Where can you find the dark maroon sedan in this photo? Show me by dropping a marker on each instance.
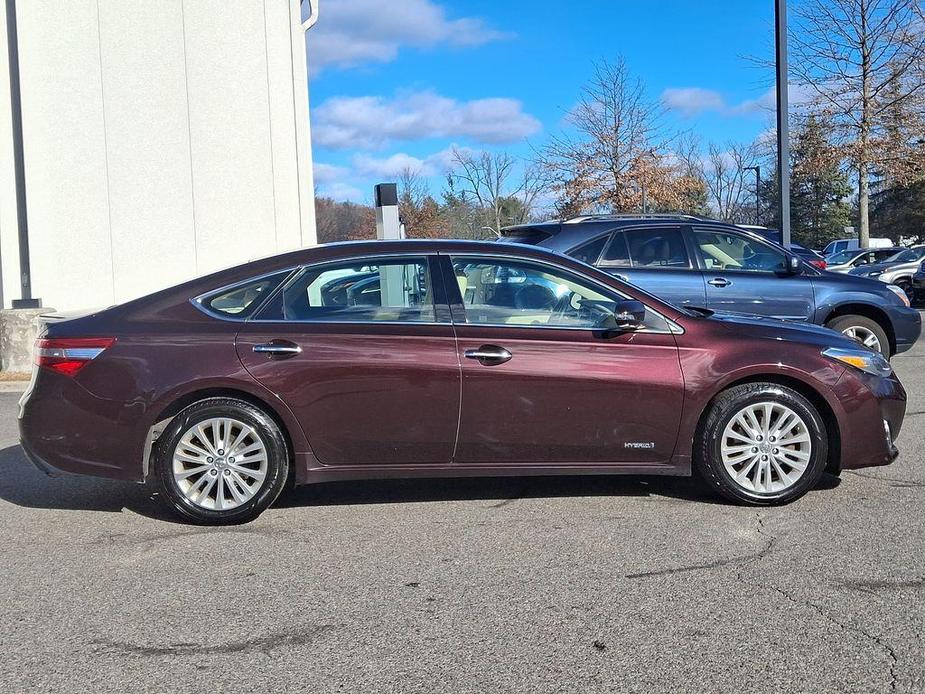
(440, 359)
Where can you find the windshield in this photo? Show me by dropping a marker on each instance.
(909, 256)
(842, 258)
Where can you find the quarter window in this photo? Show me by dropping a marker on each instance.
(242, 300)
(591, 251)
(376, 290)
(727, 251)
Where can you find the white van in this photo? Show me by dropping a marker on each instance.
(852, 245)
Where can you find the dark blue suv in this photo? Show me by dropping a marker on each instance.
(707, 264)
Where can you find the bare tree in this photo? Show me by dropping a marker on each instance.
(617, 135)
(497, 184)
(725, 175)
(861, 60)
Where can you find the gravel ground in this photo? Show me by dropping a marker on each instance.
(544, 585)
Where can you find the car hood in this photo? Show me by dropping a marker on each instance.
(879, 268)
(781, 330)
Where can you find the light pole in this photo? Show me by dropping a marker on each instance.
(783, 121)
(757, 170)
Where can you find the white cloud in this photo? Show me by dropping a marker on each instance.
(372, 122)
(435, 164)
(353, 32)
(341, 192)
(328, 173)
(691, 101)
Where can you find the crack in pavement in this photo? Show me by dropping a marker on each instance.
(874, 586)
(896, 482)
(263, 644)
(886, 647)
(719, 563)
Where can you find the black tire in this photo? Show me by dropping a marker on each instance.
(269, 434)
(843, 323)
(708, 463)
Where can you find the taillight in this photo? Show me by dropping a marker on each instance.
(69, 355)
(821, 264)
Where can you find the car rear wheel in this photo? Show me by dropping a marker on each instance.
(864, 330)
(222, 461)
(762, 444)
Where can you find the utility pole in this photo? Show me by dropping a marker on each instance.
(783, 121)
(757, 170)
(26, 299)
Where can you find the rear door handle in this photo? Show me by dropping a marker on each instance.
(489, 355)
(278, 348)
(720, 282)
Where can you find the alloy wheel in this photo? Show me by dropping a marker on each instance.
(766, 448)
(863, 335)
(220, 464)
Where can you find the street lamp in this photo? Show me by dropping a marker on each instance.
(757, 170)
(783, 121)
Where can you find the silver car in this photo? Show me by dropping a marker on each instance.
(846, 261)
(897, 269)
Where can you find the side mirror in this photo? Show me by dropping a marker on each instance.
(627, 315)
(794, 265)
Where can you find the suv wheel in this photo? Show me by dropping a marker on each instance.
(761, 444)
(866, 331)
(221, 461)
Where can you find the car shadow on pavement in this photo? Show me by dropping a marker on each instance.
(23, 485)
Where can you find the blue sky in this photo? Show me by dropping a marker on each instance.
(399, 83)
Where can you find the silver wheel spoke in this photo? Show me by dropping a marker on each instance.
(220, 464)
(766, 447)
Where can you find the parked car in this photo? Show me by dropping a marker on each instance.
(817, 260)
(897, 269)
(853, 245)
(918, 283)
(694, 262)
(476, 359)
(846, 261)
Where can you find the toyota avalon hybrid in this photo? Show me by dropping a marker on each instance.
(444, 359)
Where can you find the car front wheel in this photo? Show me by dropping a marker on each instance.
(864, 330)
(221, 461)
(762, 444)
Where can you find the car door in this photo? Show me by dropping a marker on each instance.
(657, 259)
(542, 383)
(745, 275)
(363, 353)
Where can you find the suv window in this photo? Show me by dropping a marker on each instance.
(728, 251)
(591, 251)
(650, 248)
(393, 289)
(521, 293)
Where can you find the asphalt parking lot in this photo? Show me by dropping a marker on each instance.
(545, 585)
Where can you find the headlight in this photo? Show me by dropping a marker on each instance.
(900, 293)
(870, 362)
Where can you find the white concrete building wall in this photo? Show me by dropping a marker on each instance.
(163, 140)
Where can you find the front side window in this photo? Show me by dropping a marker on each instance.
(521, 293)
(376, 290)
(240, 302)
(723, 251)
(653, 248)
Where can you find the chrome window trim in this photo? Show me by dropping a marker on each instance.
(197, 301)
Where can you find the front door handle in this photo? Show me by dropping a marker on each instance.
(720, 282)
(278, 348)
(489, 355)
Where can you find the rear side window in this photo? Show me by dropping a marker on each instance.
(591, 251)
(657, 248)
(382, 290)
(242, 300)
